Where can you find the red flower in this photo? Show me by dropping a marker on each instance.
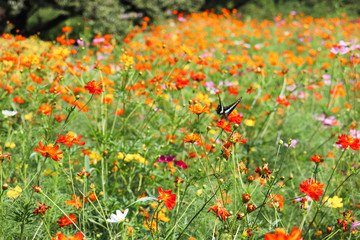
(70, 139)
(317, 159)
(168, 198)
(220, 211)
(49, 151)
(264, 172)
(60, 236)
(348, 141)
(41, 210)
(224, 125)
(18, 100)
(282, 101)
(225, 152)
(94, 87)
(45, 109)
(181, 164)
(36, 188)
(4, 156)
(280, 234)
(64, 221)
(312, 188)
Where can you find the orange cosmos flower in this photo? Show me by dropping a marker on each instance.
(60, 236)
(317, 159)
(119, 111)
(220, 211)
(199, 109)
(64, 221)
(66, 29)
(92, 197)
(70, 139)
(49, 151)
(277, 201)
(191, 138)
(224, 125)
(282, 101)
(348, 141)
(45, 109)
(312, 188)
(168, 198)
(94, 87)
(75, 202)
(18, 99)
(280, 234)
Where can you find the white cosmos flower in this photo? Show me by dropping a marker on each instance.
(118, 217)
(8, 113)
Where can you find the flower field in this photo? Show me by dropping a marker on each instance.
(208, 126)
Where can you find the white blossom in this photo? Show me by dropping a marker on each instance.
(118, 217)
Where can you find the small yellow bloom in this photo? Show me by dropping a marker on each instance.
(127, 60)
(94, 157)
(334, 202)
(249, 122)
(10, 145)
(28, 116)
(121, 155)
(129, 157)
(14, 192)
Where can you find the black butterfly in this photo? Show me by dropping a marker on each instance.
(225, 111)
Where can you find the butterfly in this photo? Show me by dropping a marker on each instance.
(225, 111)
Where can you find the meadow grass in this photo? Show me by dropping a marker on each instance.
(123, 140)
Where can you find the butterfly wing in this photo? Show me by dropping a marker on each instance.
(220, 107)
(230, 108)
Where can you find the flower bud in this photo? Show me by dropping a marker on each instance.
(251, 179)
(5, 186)
(246, 197)
(250, 207)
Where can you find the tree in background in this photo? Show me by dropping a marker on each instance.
(117, 17)
(30, 17)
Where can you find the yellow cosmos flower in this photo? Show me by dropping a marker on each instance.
(249, 122)
(127, 60)
(28, 116)
(334, 202)
(10, 145)
(94, 157)
(136, 157)
(121, 155)
(14, 193)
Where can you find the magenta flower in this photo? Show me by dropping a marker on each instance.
(181, 164)
(166, 159)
